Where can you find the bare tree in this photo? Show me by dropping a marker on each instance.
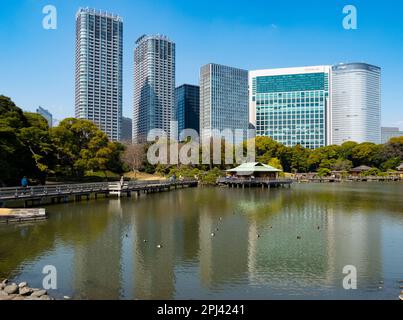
(134, 156)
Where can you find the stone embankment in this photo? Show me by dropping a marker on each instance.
(12, 291)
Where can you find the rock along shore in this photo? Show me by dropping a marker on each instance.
(12, 291)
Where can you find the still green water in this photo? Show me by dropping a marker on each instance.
(278, 244)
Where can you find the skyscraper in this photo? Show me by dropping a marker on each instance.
(187, 107)
(127, 129)
(291, 105)
(99, 62)
(46, 114)
(154, 85)
(389, 133)
(356, 103)
(223, 99)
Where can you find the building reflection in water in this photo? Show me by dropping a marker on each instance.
(282, 241)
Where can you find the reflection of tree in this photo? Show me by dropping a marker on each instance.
(74, 224)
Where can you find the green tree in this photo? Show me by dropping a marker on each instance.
(275, 163)
(366, 154)
(81, 146)
(25, 148)
(342, 165)
(324, 172)
(36, 139)
(299, 160)
(346, 150)
(323, 157)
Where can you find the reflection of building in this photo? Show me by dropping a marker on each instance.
(46, 114)
(223, 100)
(389, 133)
(187, 107)
(291, 105)
(223, 257)
(311, 240)
(356, 103)
(99, 63)
(175, 229)
(98, 256)
(154, 85)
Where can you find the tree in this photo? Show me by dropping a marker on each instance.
(25, 147)
(346, 150)
(80, 146)
(299, 160)
(323, 157)
(324, 172)
(134, 156)
(275, 163)
(366, 154)
(393, 149)
(342, 165)
(36, 139)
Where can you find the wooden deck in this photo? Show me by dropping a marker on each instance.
(21, 215)
(254, 183)
(67, 192)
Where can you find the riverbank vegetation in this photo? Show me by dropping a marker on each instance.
(76, 150)
(28, 147)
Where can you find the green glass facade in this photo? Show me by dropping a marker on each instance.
(292, 108)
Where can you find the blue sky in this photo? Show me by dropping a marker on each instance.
(37, 65)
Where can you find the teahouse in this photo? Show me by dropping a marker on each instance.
(359, 170)
(252, 170)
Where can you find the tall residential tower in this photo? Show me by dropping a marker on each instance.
(99, 63)
(223, 100)
(154, 85)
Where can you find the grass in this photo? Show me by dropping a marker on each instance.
(143, 176)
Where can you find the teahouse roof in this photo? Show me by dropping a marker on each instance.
(400, 168)
(361, 168)
(254, 167)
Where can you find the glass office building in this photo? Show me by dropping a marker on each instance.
(356, 103)
(154, 85)
(187, 107)
(291, 105)
(223, 99)
(389, 133)
(46, 114)
(99, 63)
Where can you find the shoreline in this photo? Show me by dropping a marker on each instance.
(12, 291)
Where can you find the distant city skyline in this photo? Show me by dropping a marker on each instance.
(231, 35)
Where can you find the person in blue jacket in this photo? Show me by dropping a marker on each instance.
(24, 182)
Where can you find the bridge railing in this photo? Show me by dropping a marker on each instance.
(66, 189)
(23, 192)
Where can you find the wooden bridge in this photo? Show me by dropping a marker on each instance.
(254, 182)
(63, 193)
